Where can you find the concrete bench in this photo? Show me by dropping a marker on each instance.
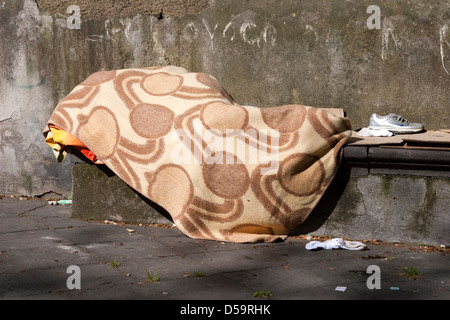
(388, 194)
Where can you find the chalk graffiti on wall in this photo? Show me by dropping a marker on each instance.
(252, 30)
(243, 27)
(248, 31)
(443, 45)
(388, 32)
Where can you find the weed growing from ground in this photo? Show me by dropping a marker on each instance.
(262, 294)
(412, 273)
(114, 263)
(150, 278)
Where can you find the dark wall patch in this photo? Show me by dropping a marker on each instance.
(110, 8)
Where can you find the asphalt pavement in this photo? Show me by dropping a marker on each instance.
(46, 255)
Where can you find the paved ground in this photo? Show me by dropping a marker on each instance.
(38, 243)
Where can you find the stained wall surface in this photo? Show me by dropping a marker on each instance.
(363, 56)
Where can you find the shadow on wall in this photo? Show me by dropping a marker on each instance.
(156, 207)
(326, 205)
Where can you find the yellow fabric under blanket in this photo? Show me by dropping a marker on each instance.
(59, 140)
(222, 170)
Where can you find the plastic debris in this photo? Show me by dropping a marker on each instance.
(366, 132)
(335, 243)
(341, 289)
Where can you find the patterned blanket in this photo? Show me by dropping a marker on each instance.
(222, 170)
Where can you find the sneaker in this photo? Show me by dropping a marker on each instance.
(394, 123)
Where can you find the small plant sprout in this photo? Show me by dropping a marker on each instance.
(262, 294)
(114, 263)
(152, 278)
(199, 274)
(412, 273)
(196, 274)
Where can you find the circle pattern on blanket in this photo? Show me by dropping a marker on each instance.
(301, 174)
(222, 116)
(172, 188)
(161, 84)
(151, 121)
(96, 137)
(286, 119)
(225, 179)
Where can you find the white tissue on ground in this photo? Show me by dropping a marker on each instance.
(335, 243)
(366, 132)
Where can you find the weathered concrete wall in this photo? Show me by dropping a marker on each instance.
(265, 53)
(98, 194)
(390, 208)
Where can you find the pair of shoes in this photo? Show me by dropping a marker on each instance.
(394, 123)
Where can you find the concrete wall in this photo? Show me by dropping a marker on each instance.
(265, 53)
(391, 208)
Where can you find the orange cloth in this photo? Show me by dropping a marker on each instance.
(60, 139)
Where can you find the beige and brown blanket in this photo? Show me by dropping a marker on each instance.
(222, 170)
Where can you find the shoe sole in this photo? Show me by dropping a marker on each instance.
(397, 130)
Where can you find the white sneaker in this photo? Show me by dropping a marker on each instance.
(394, 123)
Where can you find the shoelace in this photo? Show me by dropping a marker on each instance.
(400, 119)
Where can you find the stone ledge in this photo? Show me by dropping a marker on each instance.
(364, 160)
(393, 208)
(377, 194)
